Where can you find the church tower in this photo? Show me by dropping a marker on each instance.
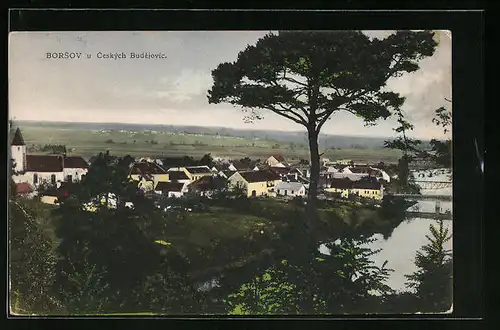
(18, 152)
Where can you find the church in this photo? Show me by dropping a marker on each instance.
(44, 169)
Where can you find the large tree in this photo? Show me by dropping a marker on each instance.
(306, 77)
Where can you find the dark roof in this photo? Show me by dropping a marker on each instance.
(207, 183)
(198, 170)
(147, 168)
(23, 188)
(340, 166)
(169, 186)
(280, 170)
(259, 176)
(75, 162)
(340, 183)
(240, 166)
(18, 138)
(44, 163)
(177, 175)
(364, 169)
(367, 184)
(360, 169)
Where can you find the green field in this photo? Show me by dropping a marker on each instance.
(86, 143)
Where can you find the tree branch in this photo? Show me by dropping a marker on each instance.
(294, 81)
(300, 120)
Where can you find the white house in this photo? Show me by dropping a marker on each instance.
(290, 189)
(44, 169)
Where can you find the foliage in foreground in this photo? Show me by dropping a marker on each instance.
(32, 262)
(432, 281)
(114, 260)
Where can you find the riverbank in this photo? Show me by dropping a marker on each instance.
(408, 237)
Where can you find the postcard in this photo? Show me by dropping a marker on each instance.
(254, 173)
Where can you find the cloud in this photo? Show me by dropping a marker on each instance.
(184, 87)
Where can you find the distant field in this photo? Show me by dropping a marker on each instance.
(86, 142)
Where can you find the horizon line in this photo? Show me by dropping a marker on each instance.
(199, 126)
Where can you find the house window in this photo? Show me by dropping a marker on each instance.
(69, 178)
(35, 178)
(53, 179)
(18, 148)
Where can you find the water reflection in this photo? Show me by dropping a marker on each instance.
(401, 247)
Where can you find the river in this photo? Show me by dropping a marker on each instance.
(400, 248)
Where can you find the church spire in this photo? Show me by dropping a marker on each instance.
(18, 138)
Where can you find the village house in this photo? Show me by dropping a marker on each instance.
(197, 172)
(194, 172)
(40, 170)
(276, 161)
(355, 173)
(255, 183)
(291, 189)
(339, 186)
(24, 189)
(171, 189)
(239, 166)
(367, 188)
(148, 175)
(207, 185)
(178, 176)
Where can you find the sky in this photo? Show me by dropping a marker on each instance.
(172, 90)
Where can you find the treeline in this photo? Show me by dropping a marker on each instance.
(205, 160)
(50, 148)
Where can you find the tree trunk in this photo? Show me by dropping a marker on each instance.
(311, 211)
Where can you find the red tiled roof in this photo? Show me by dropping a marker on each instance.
(18, 138)
(44, 163)
(147, 168)
(169, 186)
(259, 176)
(23, 188)
(75, 162)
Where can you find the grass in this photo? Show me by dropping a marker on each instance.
(87, 143)
(206, 227)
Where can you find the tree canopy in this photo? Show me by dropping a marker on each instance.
(308, 76)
